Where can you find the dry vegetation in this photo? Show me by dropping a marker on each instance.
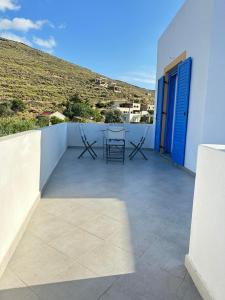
(45, 82)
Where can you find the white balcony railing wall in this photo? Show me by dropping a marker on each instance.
(206, 259)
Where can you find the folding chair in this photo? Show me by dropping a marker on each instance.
(115, 144)
(87, 145)
(138, 146)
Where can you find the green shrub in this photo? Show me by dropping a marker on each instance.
(5, 109)
(75, 98)
(54, 120)
(101, 105)
(113, 116)
(97, 115)
(18, 106)
(43, 121)
(83, 110)
(14, 125)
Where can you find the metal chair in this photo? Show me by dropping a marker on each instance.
(138, 146)
(115, 144)
(87, 145)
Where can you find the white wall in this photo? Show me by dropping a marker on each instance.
(214, 125)
(53, 145)
(94, 132)
(26, 161)
(207, 243)
(19, 184)
(190, 31)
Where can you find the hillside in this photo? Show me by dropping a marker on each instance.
(45, 82)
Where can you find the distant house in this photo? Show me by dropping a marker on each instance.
(113, 86)
(101, 81)
(49, 114)
(131, 112)
(58, 115)
(147, 109)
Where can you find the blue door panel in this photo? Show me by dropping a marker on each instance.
(170, 111)
(181, 113)
(158, 124)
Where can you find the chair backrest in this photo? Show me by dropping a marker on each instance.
(82, 134)
(146, 131)
(115, 133)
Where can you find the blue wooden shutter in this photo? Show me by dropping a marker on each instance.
(181, 113)
(158, 124)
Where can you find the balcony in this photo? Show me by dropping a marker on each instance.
(99, 231)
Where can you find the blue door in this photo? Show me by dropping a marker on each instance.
(172, 80)
(158, 124)
(181, 112)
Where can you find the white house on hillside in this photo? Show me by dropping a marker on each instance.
(191, 75)
(131, 113)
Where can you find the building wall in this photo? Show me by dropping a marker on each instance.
(206, 258)
(214, 123)
(190, 31)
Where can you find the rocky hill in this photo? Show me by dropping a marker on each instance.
(46, 82)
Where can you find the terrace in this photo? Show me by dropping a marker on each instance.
(100, 231)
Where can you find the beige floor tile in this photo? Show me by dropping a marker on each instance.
(102, 226)
(50, 228)
(10, 281)
(95, 204)
(40, 266)
(76, 242)
(59, 206)
(78, 216)
(29, 242)
(39, 216)
(107, 260)
(75, 272)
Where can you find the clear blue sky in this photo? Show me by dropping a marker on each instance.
(117, 38)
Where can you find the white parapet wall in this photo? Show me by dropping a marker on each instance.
(94, 132)
(206, 259)
(53, 145)
(26, 161)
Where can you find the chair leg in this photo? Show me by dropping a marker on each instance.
(136, 150)
(82, 153)
(89, 149)
(142, 153)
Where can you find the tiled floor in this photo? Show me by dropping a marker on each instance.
(106, 231)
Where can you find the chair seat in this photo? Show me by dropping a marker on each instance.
(115, 142)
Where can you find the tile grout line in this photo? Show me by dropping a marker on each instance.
(107, 289)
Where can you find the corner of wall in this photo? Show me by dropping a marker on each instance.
(196, 277)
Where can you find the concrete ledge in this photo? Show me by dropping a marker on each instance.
(18, 237)
(197, 279)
